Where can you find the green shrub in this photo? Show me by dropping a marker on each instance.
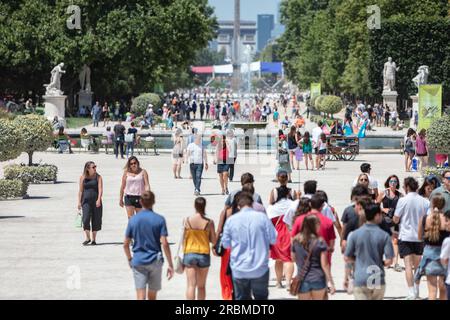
(330, 105)
(11, 142)
(318, 101)
(140, 104)
(31, 174)
(438, 135)
(37, 133)
(11, 189)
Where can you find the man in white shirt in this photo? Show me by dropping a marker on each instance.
(316, 132)
(197, 159)
(409, 212)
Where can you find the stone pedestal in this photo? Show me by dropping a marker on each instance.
(390, 99)
(84, 99)
(415, 100)
(55, 106)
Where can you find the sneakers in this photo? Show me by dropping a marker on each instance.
(410, 297)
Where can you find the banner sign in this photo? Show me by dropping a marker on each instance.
(316, 90)
(430, 104)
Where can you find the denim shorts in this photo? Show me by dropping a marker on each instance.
(197, 260)
(308, 286)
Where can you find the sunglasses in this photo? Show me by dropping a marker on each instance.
(94, 167)
(133, 163)
(393, 181)
(448, 178)
(363, 180)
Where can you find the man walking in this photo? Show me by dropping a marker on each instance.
(409, 212)
(365, 248)
(197, 160)
(95, 113)
(148, 230)
(119, 138)
(249, 234)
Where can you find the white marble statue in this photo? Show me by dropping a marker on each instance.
(54, 88)
(422, 76)
(390, 69)
(85, 79)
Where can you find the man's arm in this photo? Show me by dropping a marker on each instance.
(126, 248)
(168, 254)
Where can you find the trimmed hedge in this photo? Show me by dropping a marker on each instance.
(11, 142)
(330, 104)
(140, 103)
(31, 174)
(433, 171)
(438, 135)
(12, 189)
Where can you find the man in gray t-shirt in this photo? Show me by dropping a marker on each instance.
(366, 247)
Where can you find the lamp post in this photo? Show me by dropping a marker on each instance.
(236, 43)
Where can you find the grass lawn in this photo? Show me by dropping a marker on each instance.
(73, 123)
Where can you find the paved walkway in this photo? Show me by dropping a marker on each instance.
(41, 249)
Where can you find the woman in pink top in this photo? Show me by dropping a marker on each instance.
(421, 148)
(134, 183)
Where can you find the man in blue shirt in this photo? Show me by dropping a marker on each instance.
(366, 247)
(249, 234)
(148, 230)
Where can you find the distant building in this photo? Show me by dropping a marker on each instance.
(224, 40)
(266, 23)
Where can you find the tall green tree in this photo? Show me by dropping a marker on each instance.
(130, 45)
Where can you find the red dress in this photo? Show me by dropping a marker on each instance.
(281, 250)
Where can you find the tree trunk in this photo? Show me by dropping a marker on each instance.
(30, 159)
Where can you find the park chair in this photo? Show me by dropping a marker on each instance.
(85, 143)
(106, 143)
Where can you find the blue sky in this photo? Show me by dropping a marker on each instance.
(249, 8)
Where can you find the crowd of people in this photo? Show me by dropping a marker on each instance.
(298, 230)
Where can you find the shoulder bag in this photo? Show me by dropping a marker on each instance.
(218, 246)
(298, 280)
(178, 262)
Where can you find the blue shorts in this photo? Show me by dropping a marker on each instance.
(223, 167)
(197, 260)
(308, 286)
(323, 151)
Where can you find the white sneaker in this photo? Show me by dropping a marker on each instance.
(416, 291)
(410, 297)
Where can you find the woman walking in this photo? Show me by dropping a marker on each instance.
(322, 146)
(292, 146)
(307, 150)
(221, 159)
(284, 163)
(410, 148)
(280, 202)
(422, 149)
(90, 202)
(433, 231)
(178, 153)
(134, 182)
(105, 114)
(131, 139)
(317, 269)
(389, 199)
(198, 235)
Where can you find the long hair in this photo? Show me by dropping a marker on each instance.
(304, 206)
(306, 137)
(438, 204)
(308, 231)
(87, 165)
(127, 166)
(292, 131)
